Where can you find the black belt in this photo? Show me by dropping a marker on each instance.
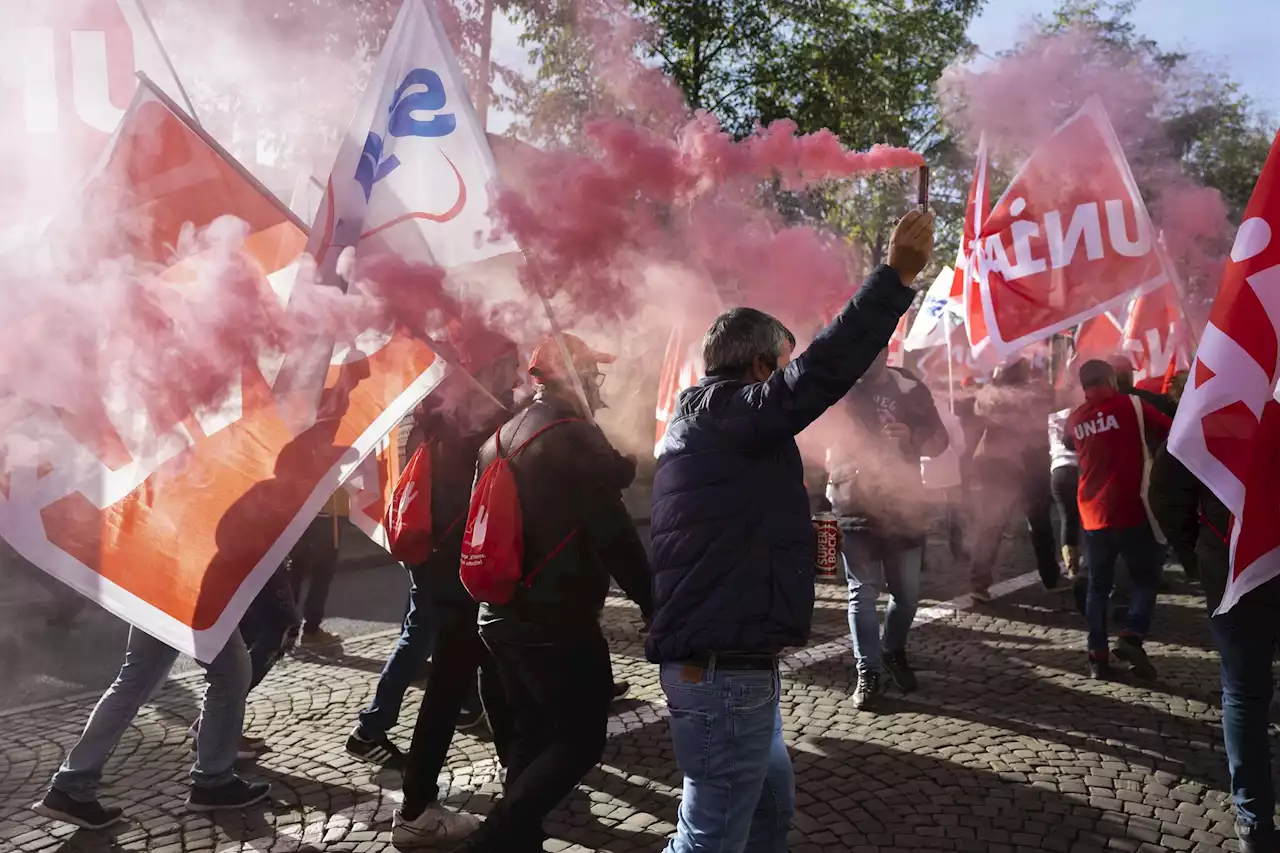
(722, 660)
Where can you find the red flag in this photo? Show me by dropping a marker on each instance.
(1154, 334)
(1228, 426)
(681, 368)
(896, 341)
(1069, 239)
(964, 286)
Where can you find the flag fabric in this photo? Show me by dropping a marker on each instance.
(928, 329)
(896, 342)
(66, 78)
(682, 367)
(1227, 431)
(174, 527)
(1155, 334)
(964, 286)
(1069, 239)
(411, 179)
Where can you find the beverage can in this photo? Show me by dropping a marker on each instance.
(828, 531)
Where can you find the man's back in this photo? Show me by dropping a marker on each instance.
(1108, 444)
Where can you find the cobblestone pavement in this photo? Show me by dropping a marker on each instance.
(1006, 747)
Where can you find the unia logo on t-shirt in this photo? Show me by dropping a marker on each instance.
(1101, 423)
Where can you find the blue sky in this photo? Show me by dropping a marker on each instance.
(1239, 37)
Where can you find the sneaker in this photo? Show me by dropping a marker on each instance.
(436, 823)
(256, 745)
(867, 691)
(379, 751)
(236, 794)
(1255, 839)
(1129, 650)
(981, 595)
(1100, 669)
(319, 638)
(87, 815)
(620, 689)
(895, 663)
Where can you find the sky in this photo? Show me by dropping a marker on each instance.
(1236, 36)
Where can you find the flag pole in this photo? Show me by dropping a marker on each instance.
(164, 54)
(951, 370)
(486, 52)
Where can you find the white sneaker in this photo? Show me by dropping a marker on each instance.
(436, 823)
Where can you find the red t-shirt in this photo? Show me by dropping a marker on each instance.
(1109, 446)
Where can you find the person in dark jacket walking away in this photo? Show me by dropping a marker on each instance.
(734, 547)
(1107, 434)
(877, 493)
(551, 654)
(453, 425)
(1196, 524)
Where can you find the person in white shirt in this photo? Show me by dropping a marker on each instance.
(1064, 472)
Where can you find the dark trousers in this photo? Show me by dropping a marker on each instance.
(1144, 557)
(314, 560)
(1247, 636)
(417, 636)
(459, 652)
(1004, 491)
(1065, 485)
(559, 695)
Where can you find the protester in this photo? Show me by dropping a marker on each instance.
(1108, 433)
(1064, 476)
(1196, 524)
(73, 792)
(1010, 475)
(734, 548)
(878, 495)
(451, 434)
(551, 654)
(1152, 394)
(314, 561)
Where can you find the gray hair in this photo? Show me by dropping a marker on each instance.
(738, 336)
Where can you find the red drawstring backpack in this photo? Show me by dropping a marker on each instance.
(408, 518)
(493, 545)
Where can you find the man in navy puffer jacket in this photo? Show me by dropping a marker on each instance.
(734, 547)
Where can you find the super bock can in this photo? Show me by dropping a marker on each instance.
(828, 544)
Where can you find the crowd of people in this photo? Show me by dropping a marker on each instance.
(728, 582)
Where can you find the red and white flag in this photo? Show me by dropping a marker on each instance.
(66, 78)
(897, 340)
(1069, 239)
(174, 524)
(1227, 431)
(964, 288)
(682, 367)
(1155, 334)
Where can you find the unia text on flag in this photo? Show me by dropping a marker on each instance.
(170, 516)
(1155, 334)
(66, 79)
(682, 366)
(1069, 239)
(1227, 431)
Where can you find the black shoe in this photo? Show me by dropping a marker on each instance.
(895, 663)
(1254, 839)
(236, 794)
(88, 815)
(867, 693)
(471, 718)
(379, 751)
(1100, 669)
(620, 689)
(1129, 650)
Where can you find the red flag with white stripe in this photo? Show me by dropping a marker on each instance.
(1227, 431)
(681, 368)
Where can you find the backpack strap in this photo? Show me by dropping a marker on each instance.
(497, 437)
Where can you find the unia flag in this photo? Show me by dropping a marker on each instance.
(1227, 431)
(964, 288)
(411, 179)
(1155, 334)
(1069, 239)
(928, 329)
(896, 342)
(175, 525)
(66, 79)
(682, 367)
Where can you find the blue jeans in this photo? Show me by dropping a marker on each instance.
(872, 564)
(1247, 636)
(268, 623)
(147, 662)
(739, 790)
(1144, 557)
(417, 639)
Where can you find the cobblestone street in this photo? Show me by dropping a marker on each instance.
(1006, 747)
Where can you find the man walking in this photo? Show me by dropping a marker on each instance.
(877, 492)
(551, 654)
(734, 548)
(1108, 434)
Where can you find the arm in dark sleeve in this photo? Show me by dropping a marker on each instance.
(626, 560)
(794, 397)
(929, 434)
(1157, 423)
(1175, 502)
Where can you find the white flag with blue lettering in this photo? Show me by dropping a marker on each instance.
(928, 331)
(414, 171)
